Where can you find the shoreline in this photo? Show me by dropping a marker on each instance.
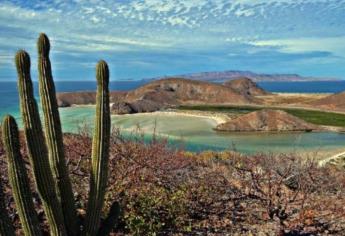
(216, 118)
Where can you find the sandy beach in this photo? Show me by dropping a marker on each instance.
(217, 118)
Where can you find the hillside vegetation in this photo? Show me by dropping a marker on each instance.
(172, 192)
(311, 116)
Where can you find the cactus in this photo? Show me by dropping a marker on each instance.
(54, 138)
(6, 228)
(46, 155)
(18, 178)
(36, 146)
(100, 151)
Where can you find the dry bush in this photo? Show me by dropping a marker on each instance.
(166, 191)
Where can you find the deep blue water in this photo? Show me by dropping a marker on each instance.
(304, 87)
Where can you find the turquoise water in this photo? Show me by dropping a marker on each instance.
(197, 134)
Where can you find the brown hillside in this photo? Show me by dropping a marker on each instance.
(266, 120)
(245, 86)
(176, 91)
(332, 102)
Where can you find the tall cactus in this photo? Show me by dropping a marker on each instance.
(54, 138)
(36, 146)
(48, 165)
(18, 178)
(6, 228)
(100, 151)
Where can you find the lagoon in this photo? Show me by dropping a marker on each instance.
(197, 134)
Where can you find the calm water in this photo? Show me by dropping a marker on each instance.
(194, 133)
(197, 134)
(304, 87)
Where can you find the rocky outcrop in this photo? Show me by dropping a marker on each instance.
(245, 86)
(267, 120)
(139, 106)
(85, 98)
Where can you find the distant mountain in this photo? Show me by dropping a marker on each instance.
(233, 74)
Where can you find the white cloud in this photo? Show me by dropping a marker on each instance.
(335, 45)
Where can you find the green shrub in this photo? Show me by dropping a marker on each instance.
(155, 210)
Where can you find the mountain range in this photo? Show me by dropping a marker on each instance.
(223, 76)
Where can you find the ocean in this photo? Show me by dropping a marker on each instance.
(196, 134)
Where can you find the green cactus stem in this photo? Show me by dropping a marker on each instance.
(36, 146)
(18, 178)
(54, 137)
(100, 151)
(6, 228)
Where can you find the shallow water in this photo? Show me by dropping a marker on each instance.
(197, 134)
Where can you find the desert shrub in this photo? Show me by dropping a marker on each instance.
(154, 210)
(170, 192)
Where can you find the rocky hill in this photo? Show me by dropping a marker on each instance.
(266, 120)
(332, 102)
(245, 86)
(172, 92)
(177, 90)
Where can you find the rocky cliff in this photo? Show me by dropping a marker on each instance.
(266, 120)
(85, 98)
(245, 86)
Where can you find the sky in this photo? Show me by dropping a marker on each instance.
(152, 38)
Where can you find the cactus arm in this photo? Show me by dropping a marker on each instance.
(100, 151)
(18, 178)
(36, 146)
(54, 138)
(6, 228)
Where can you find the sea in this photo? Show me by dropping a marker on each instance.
(192, 133)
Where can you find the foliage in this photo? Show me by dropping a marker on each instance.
(312, 116)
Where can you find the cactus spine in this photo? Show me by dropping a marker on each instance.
(36, 146)
(100, 151)
(6, 228)
(18, 178)
(54, 138)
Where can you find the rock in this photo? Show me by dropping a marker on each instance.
(75, 98)
(121, 108)
(140, 106)
(245, 86)
(85, 98)
(267, 120)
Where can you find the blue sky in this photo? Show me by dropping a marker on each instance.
(149, 38)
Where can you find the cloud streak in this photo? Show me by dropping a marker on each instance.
(146, 38)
